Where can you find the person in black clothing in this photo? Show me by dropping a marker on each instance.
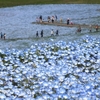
(42, 33)
(40, 18)
(56, 17)
(37, 35)
(4, 36)
(68, 21)
(57, 32)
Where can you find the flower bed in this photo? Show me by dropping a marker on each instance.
(47, 71)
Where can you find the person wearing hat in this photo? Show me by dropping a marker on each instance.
(68, 21)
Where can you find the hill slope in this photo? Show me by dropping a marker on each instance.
(7, 3)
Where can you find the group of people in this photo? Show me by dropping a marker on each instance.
(52, 19)
(52, 33)
(55, 18)
(96, 28)
(49, 18)
(41, 33)
(90, 28)
(39, 19)
(3, 36)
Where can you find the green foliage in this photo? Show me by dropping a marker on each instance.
(7, 3)
(2, 55)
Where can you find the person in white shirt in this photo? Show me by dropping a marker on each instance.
(52, 32)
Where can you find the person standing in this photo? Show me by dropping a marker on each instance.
(90, 28)
(79, 29)
(68, 21)
(48, 18)
(52, 19)
(37, 35)
(52, 32)
(56, 17)
(97, 27)
(40, 18)
(42, 33)
(4, 36)
(37, 19)
(57, 32)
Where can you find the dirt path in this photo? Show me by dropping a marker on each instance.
(65, 25)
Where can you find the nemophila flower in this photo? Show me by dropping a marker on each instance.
(51, 71)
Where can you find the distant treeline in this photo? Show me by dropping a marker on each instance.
(8, 3)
